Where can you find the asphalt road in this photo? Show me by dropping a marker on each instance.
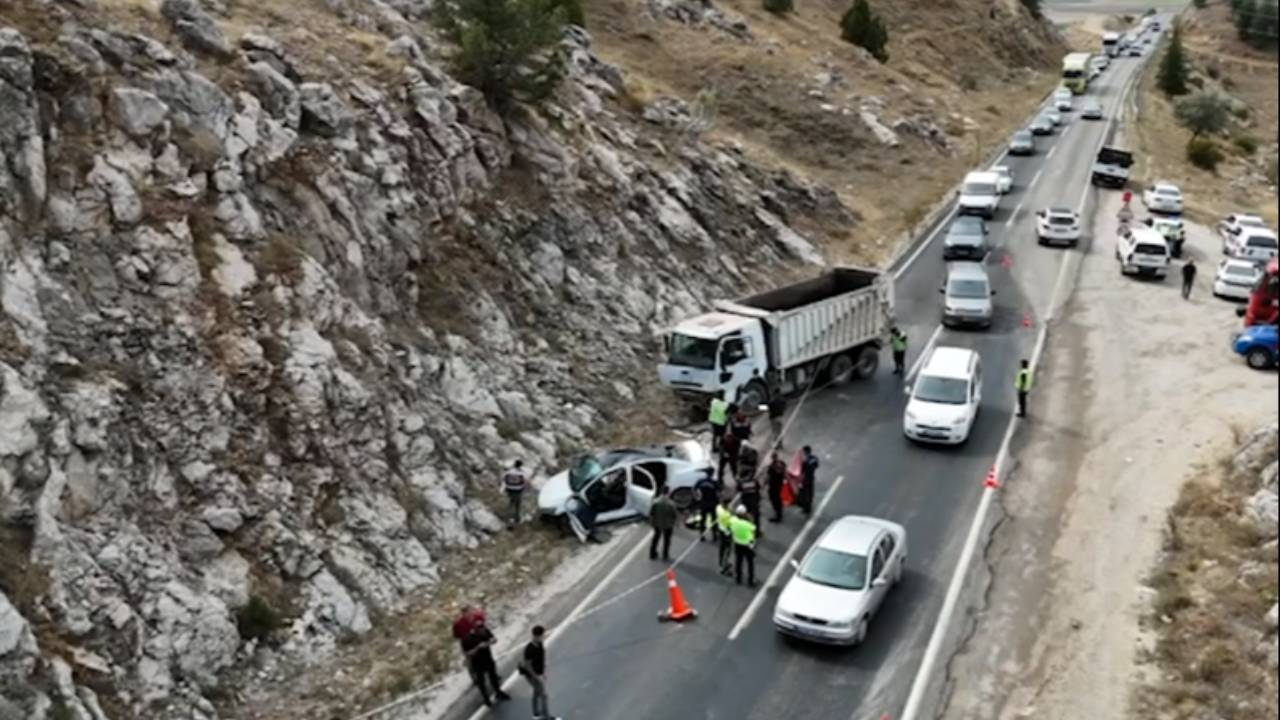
(619, 663)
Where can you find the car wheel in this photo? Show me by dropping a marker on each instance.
(860, 636)
(753, 396)
(682, 497)
(1259, 358)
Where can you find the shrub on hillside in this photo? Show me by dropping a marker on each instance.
(1203, 113)
(257, 620)
(1246, 144)
(862, 27)
(779, 7)
(1033, 6)
(507, 49)
(1204, 153)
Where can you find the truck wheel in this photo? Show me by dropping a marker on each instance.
(868, 361)
(752, 396)
(841, 370)
(1259, 358)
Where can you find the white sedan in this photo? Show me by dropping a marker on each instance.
(1058, 225)
(842, 581)
(1233, 224)
(1163, 197)
(1235, 279)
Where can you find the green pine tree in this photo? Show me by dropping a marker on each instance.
(1243, 15)
(779, 7)
(509, 50)
(862, 27)
(1173, 68)
(1033, 6)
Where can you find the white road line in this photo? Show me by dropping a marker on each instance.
(1013, 216)
(928, 347)
(783, 562)
(1049, 155)
(1034, 179)
(942, 626)
(577, 611)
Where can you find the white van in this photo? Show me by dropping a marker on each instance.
(1143, 251)
(980, 194)
(945, 397)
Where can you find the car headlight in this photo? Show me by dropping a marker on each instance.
(958, 423)
(911, 417)
(845, 625)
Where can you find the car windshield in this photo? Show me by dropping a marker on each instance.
(1147, 249)
(949, 391)
(1168, 192)
(1239, 270)
(1261, 241)
(1022, 136)
(1248, 221)
(967, 289)
(979, 188)
(965, 227)
(1061, 220)
(585, 470)
(692, 352)
(835, 569)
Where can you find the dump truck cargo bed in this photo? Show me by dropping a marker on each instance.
(841, 309)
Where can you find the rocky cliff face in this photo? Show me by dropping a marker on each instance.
(268, 327)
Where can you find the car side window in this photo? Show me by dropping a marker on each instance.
(887, 546)
(735, 350)
(641, 478)
(877, 563)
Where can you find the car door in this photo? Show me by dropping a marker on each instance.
(641, 486)
(735, 361)
(892, 558)
(879, 580)
(609, 496)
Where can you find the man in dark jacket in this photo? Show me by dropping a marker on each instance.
(749, 483)
(478, 646)
(809, 478)
(776, 475)
(1188, 278)
(708, 494)
(533, 666)
(662, 516)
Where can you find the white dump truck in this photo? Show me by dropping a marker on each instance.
(779, 342)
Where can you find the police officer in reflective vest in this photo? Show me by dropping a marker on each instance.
(1023, 385)
(718, 419)
(744, 546)
(898, 341)
(724, 535)
(514, 483)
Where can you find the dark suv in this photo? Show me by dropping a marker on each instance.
(966, 239)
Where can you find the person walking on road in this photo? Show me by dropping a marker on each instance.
(724, 536)
(729, 445)
(776, 476)
(484, 669)
(708, 494)
(749, 484)
(1188, 278)
(533, 666)
(718, 419)
(514, 483)
(898, 341)
(662, 516)
(744, 546)
(1023, 385)
(808, 479)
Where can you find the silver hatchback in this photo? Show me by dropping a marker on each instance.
(967, 295)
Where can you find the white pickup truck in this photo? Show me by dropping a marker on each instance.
(777, 342)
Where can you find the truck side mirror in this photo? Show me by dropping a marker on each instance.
(943, 290)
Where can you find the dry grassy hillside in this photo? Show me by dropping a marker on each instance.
(792, 92)
(1220, 62)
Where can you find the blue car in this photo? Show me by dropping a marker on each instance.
(1258, 344)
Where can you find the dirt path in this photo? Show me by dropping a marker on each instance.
(1139, 388)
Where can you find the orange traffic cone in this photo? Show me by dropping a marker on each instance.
(992, 481)
(679, 610)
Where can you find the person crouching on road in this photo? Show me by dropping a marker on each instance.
(707, 493)
(744, 546)
(484, 669)
(662, 516)
(724, 535)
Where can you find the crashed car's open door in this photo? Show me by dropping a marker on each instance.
(582, 519)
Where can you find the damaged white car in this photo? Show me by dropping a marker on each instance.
(620, 484)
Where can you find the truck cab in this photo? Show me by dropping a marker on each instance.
(711, 353)
(980, 194)
(1111, 167)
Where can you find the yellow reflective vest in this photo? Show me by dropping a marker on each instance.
(744, 531)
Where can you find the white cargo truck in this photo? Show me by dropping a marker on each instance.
(779, 342)
(1111, 43)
